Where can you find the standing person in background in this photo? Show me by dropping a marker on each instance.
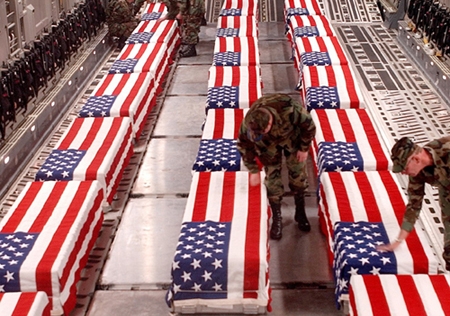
(277, 125)
(428, 164)
(190, 13)
(121, 20)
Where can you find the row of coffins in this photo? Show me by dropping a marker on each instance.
(326, 80)
(221, 261)
(361, 202)
(54, 223)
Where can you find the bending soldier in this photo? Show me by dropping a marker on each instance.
(121, 20)
(275, 125)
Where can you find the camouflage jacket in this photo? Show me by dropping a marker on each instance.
(437, 175)
(293, 129)
(120, 11)
(192, 7)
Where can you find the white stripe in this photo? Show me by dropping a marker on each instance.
(247, 7)
(189, 210)
(393, 294)
(236, 258)
(246, 23)
(215, 196)
(9, 302)
(362, 303)
(160, 29)
(426, 290)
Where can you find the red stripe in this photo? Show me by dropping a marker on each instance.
(325, 126)
(331, 77)
(71, 134)
(411, 296)
(372, 135)
(377, 298)
(370, 202)
(105, 85)
(97, 161)
(127, 52)
(132, 93)
(338, 48)
(219, 123)
(238, 118)
(142, 49)
(143, 26)
(96, 207)
(48, 208)
(219, 76)
(21, 209)
(314, 77)
(23, 304)
(122, 82)
(201, 197)
(442, 289)
(165, 30)
(351, 87)
(44, 268)
(252, 241)
(93, 131)
(236, 76)
(351, 296)
(253, 84)
(415, 247)
(227, 206)
(341, 196)
(346, 125)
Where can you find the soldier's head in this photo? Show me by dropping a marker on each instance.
(258, 123)
(402, 153)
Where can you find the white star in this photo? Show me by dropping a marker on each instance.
(364, 261)
(186, 276)
(353, 271)
(196, 264)
(385, 260)
(9, 276)
(207, 275)
(196, 287)
(217, 287)
(175, 265)
(217, 263)
(375, 271)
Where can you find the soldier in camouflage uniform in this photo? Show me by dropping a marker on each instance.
(191, 13)
(276, 125)
(428, 164)
(121, 19)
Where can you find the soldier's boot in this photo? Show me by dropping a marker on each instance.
(121, 42)
(275, 230)
(300, 215)
(204, 22)
(188, 51)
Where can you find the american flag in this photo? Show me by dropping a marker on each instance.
(123, 95)
(29, 303)
(246, 48)
(351, 126)
(230, 12)
(223, 123)
(373, 196)
(152, 8)
(50, 231)
(308, 25)
(151, 16)
(235, 87)
(91, 149)
(246, 7)
(218, 155)
(238, 26)
(380, 295)
(226, 259)
(154, 32)
(330, 87)
(355, 253)
(311, 6)
(154, 58)
(317, 51)
(340, 156)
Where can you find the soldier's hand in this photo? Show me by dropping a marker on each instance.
(302, 156)
(255, 179)
(388, 247)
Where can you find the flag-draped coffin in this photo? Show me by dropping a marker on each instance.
(50, 231)
(91, 149)
(222, 253)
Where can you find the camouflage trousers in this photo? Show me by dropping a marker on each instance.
(445, 209)
(191, 22)
(298, 181)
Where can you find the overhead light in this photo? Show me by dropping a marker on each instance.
(6, 160)
(33, 128)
